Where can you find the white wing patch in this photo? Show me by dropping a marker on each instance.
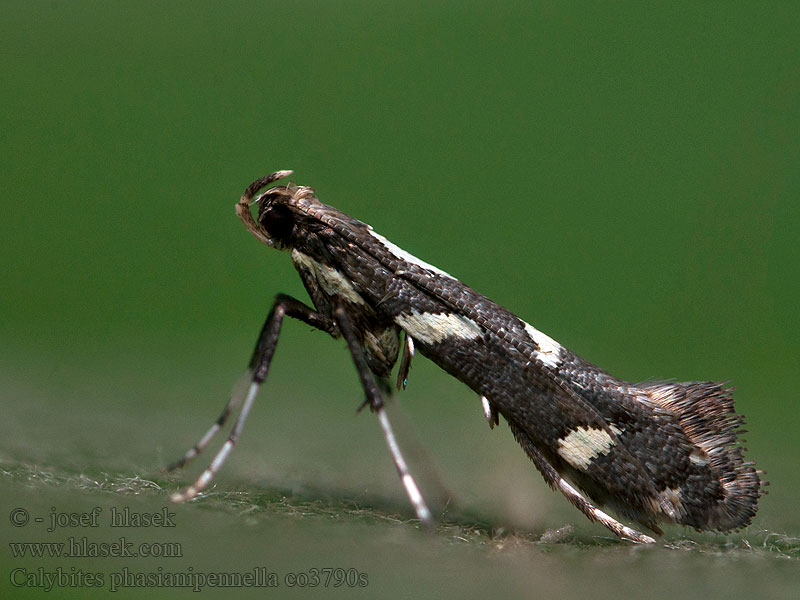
(409, 258)
(432, 328)
(332, 282)
(584, 444)
(549, 350)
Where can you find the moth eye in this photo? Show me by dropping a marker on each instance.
(278, 220)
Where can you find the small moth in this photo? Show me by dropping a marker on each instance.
(653, 452)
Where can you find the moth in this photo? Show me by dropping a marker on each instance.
(655, 452)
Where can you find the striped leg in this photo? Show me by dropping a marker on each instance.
(257, 372)
(555, 481)
(405, 361)
(236, 397)
(376, 404)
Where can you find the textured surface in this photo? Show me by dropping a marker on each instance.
(622, 176)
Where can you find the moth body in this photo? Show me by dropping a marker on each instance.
(653, 452)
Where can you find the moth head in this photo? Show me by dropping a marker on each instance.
(275, 219)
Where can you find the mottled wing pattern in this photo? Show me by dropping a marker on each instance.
(653, 452)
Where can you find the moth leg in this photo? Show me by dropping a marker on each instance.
(490, 412)
(375, 402)
(555, 481)
(405, 361)
(257, 373)
(236, 397)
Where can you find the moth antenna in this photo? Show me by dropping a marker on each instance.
(258, 184)
(243, 206)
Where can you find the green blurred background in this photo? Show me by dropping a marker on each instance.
(623, 176)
